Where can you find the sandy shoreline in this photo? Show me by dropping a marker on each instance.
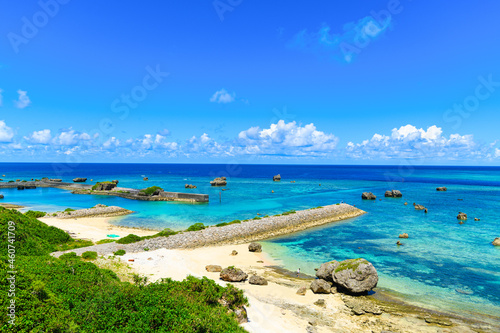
(94, 228)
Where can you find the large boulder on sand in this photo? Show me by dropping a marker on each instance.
(356, 276)
(393, 194)
(255, 247)
(232, 274)
(496, 242)
(441, 189)
(320, 286)
(368, 196)
(325, 270)
(258, 280)
(462, 216)
(213, 268)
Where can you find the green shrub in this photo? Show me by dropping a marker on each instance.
(227, 223)
(257, 218)
(131, 238)
(150, 190)
(69, 256)
(196, 227)
(119, 253)
(104, 241)
(289, 212)
(90, 255)
(74, 244)
(35, 214)
(69, 210)
(23, 181)
(54, 214)
(165, 233)
(10, 181)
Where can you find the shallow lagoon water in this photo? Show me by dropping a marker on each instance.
(443, 264)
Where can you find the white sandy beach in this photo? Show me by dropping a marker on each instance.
(94, 228)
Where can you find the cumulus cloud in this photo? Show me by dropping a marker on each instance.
(39, 137)
(23, 100)
(6, 133)
(111, 144)
(344, 45)
(411, 142)
(287, 139)
(71, 137)
(153, 142)
(222, 96)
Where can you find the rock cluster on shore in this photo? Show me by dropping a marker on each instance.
(354, 276)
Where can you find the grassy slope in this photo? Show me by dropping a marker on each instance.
(72, 295)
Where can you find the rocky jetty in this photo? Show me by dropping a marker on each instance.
(239, 233)
(277, 178)
(441, 189)
(79, 180)
(96, 211)
(255, 247)
(461, 216)
(219, 181)
(496, 241)
(189, 186)
(393, 194)
(355, 276)
(233, 274)
(104, 186)
(368, 196)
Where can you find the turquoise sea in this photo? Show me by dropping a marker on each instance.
(443, 265)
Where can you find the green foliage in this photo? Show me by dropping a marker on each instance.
(227, 223)
(90, 255)
(196, 227)
(257, 218)
(23, 181)
(10, 181)
(131, 238)
(69, 210)
(165, 233)
(150, 190)
(74, 244)
(35, 214)
(289, 212)
(119, 253)
(104, 241)
(73, 295)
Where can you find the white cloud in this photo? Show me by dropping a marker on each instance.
(111, 144)
(222, 96)
(23, 100)
(287, 139)
(6, 133)
(41, 137)
(411, 142)
(71, 137)
(497, 152)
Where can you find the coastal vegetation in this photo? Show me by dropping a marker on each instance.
(68, 294)
(151, 190)
(119, 252)
(227, 223)
(35, 214)
(90, 255)
(196, 227)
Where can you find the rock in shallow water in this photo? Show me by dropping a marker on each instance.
(368, 196)
(496, 242)
(356, 276)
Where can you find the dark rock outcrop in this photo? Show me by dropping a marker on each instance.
(219, 181)
(441, 189)
(258, 280)
(496, 241)
(462, 216)
(368, 196)
(213, 268)
(189, 186)
(320, 286)
(79, 180)
(104, 186)
(1, 196)
(277, 178)
(419, 207)
(115, 181)
(326, 269)
(145, 178)
(29, 187)
(232, 274)
(255, 247)
(393, 194)
(356, 276)
(20, 187)
(56, 180)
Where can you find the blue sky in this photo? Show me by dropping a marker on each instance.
(379, 82)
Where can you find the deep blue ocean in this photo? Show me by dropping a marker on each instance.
(443, 265)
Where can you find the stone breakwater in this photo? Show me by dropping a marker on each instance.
(97, 211)
(244, 232)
